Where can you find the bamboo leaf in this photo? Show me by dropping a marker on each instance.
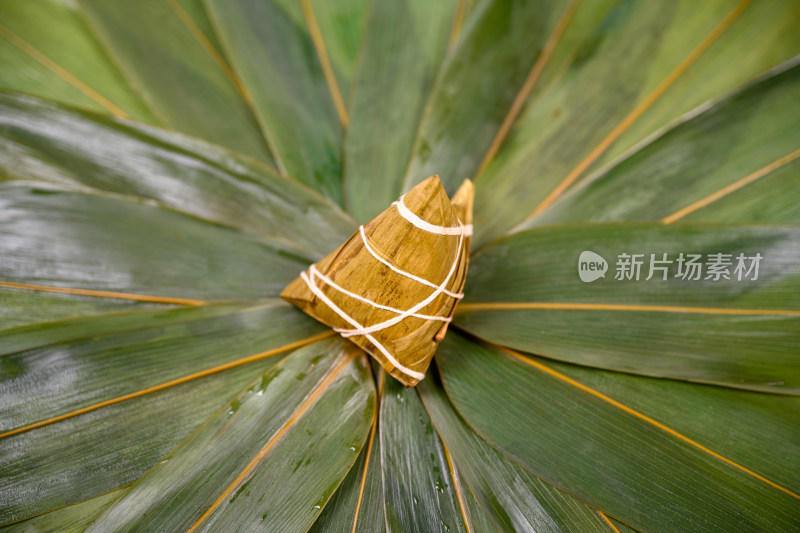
(78, 240)
(20, 307)
(603, 452)
(162, 57)
(514, 499)
(642, 66)
(272, 52)
(84, 150)
(488, 66)
(85, 456)
(341, 24)
(321, 392)
(48, 50)
(404, 45)
(95, 409)
(720, 418)
(41, 382)
(357, 505)
(70, 519)
(741, 135)
(525, 292)
(418, 489)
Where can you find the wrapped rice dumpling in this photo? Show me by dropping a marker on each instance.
(392, 287)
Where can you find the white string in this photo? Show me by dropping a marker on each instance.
(456, 295)
(424, 225)
(345, 316)
(461, 230)
(329, 281)
(392, 321)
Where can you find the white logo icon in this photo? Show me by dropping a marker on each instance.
(591, 266)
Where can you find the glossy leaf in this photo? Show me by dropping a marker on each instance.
(357, 504)
(48, 50)
(70, 519)
(637, 55)
(168, 58)
(512, 497)
(81, 366)
(404, 45)
(752, 129)
(272, 52)
(676, 114)
(418, 489)
(525, 292)
(771, 198)
(19, 307)
(89, 455)
(495, 51)
(340, 25)
(322, 391)
(186, 175)
(100, 242)
(721, 419)
(603, 454)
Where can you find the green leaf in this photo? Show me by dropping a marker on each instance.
(98, 242)
(19, 307)
(358, 495)
(181, 77)
(602, 452)
(272, 52)
(84, 150)
(47, 50)
(721, 419)
(513, 498)
(40, 382)
(734, 138)
(711, 75)
(404, 44)
(340, 24)
(769, 198)
(103, 404)
(488, 66)
(642, 66)
(525, 292)
(88, 455)
(296, 433)
(70, 519)
(418, 489)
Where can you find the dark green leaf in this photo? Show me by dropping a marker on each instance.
(84, 150)
(70, 519)
(47, 50)
(88, 455)
(178, 74)
(272, 52)
(100, 242)
(418, 489)
(84, 362)
(296, 433)
(640, 67)
(525, 292)
(721, 145)
(602, 452)
(513, 498)
(404, 44)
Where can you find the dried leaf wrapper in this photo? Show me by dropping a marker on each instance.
(391, 288)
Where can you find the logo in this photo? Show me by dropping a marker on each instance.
(591, 266)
